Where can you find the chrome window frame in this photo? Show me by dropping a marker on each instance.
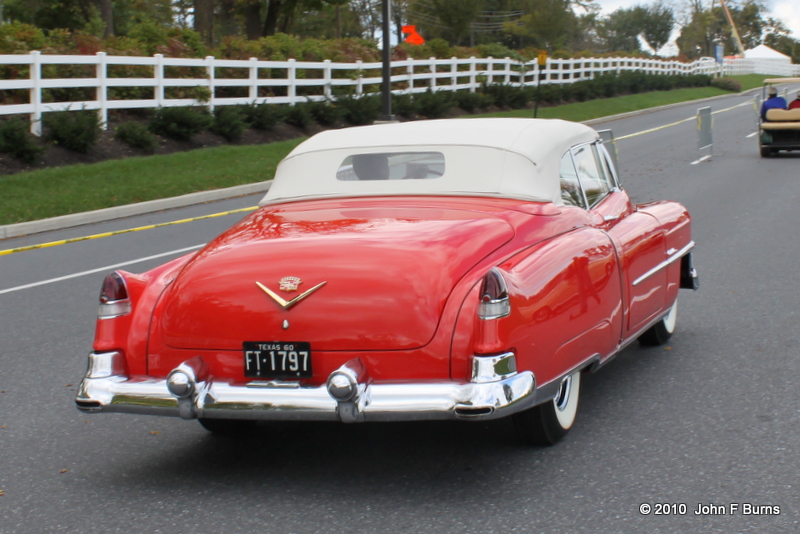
(605, 171)
(609, 164)
(599, 175)
(577, 177)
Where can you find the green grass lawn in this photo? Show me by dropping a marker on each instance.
(63, 190)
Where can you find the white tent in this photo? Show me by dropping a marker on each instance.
(765, 52)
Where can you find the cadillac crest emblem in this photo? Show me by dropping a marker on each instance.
(290, 283)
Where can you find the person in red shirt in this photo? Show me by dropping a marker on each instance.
(795, 104)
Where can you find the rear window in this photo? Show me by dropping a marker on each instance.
(392, 166)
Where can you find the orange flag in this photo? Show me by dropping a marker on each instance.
(413, 38)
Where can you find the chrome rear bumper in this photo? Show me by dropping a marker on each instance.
(496, 390)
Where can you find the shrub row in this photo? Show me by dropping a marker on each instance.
(17, 141)
(79, 130)
(727, 84)
(613, 84)
(74, 130)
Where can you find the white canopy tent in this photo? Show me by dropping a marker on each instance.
(765, 52)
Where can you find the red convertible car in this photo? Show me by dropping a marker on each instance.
(456, 269)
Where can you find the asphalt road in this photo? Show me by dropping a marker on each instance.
(711, 419)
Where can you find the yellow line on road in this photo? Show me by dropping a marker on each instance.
(119, 232)
(664, 127)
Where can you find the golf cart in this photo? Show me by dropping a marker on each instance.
(781, 129)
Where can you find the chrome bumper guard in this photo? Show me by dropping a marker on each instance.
(496, 390)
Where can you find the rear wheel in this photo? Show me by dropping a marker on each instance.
(227, 427)
(659, 333)
(548, 423)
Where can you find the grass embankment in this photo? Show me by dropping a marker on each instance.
(74, 189)
(64, 190)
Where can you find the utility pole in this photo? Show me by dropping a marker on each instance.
(386, 89)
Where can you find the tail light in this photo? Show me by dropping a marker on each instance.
(114, 299)
(494, 302)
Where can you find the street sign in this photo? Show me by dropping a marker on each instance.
(542, 58)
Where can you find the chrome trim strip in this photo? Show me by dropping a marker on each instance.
(672, 259)
(284, 303)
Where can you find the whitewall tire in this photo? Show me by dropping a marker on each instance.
(548, 423)
(659, 333)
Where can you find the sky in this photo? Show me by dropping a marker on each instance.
(787, 11)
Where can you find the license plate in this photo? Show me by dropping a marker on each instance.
(277, 359)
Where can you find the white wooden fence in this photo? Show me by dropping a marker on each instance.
(289, 82)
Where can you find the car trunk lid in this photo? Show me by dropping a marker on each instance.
(341, 279)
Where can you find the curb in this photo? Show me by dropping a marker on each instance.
(118, 212)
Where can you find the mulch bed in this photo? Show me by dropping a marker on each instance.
(108, 148)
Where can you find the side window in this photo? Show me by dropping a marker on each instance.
(596, 184)
(571, 193)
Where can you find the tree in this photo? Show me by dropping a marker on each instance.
(546, 21)
(444, 19)
(337, 7)
(657, 23)
(369, 13)
(106, 10)
(399, 17)
(494, 20)
(621, 28)
(204, 20)
(49, 14)
(698, 31)
(777, 37)
(116, 16)
(251, 11)
(262, 18)
(749, 22)
(586, 34)
(333, 20)
(227, 22)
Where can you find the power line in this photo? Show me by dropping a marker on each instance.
(510, 17)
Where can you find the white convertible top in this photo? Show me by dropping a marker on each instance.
(512, 158)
